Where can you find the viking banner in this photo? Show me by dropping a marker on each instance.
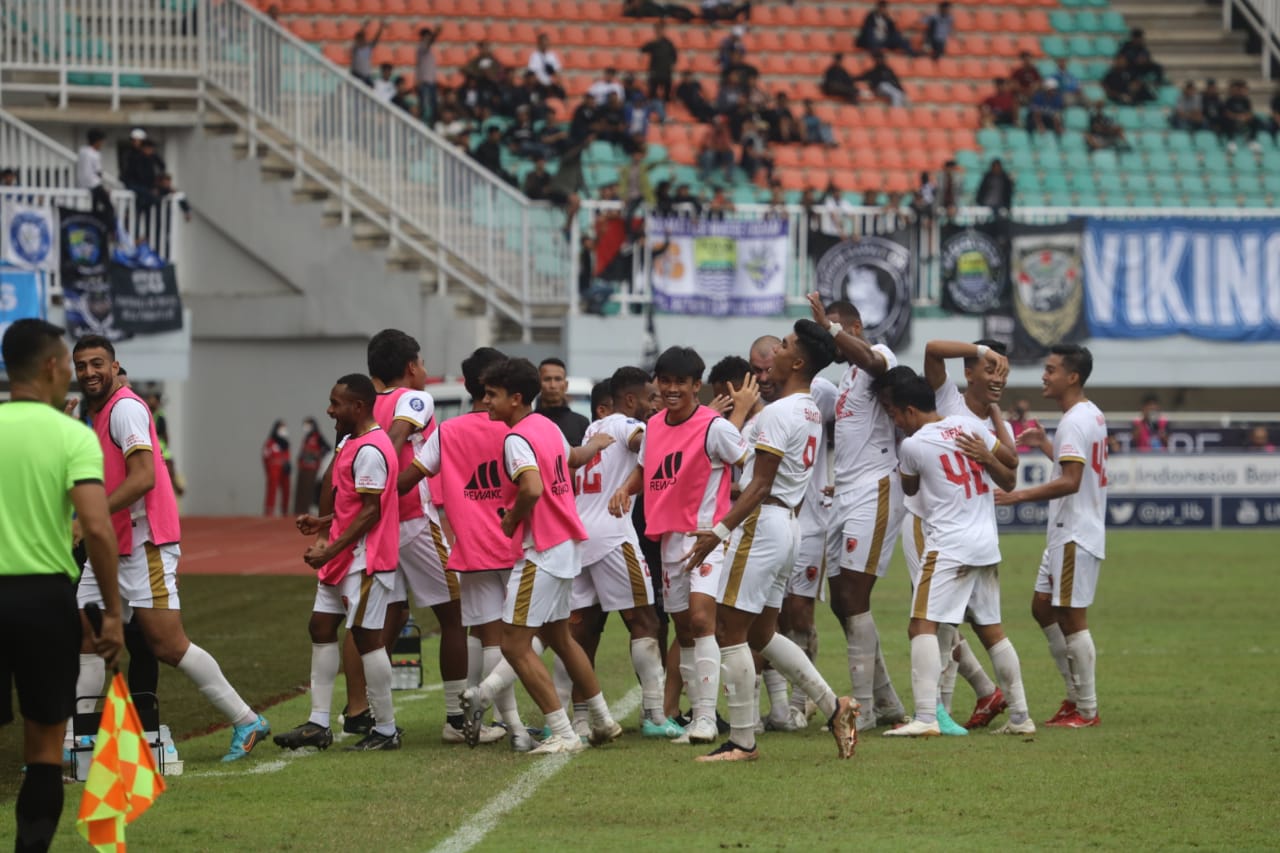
(1208, 278)
(1046, 294)
(28, 238)
(145, 301)
(724, 267)
(875, 274)
(974, 268)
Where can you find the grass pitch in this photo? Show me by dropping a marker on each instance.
(1186, 757)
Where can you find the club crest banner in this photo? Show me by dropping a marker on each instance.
(875, 274)
(720, 268)
(28, 236)
(974, 268)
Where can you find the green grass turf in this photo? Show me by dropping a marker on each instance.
(1186, 756)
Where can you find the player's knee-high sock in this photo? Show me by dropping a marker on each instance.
(971, 668)
(739, 681)
(689, 676)
(563, 683)
(646, 657)
(1083, 658)
(947, 684)
(204, 672)
(502, 676)
(452, 697)
(776, 686)
(706, 667)
(791, 661)
(324, 672)
(377, 677)
(475, 661)
(757, 684)
(1004, 660)
(504, 701)
(1058, 649)
(93, 671)
(144, 669)
(862, 637)
(926, 669)
(39, 807)
(886, 696)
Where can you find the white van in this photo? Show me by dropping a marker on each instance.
(452, 398)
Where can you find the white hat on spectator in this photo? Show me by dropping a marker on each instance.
(739, 31)
(1051, 83)
(138, 133)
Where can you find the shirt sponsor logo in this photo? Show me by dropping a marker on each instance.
(560, 484)
(666, 475)
(484, 484)
(416, 404)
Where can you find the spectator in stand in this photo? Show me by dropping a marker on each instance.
(784, 129)
(777, 205)
(1068, 84)
(838, 82)
(1000, 109)
(453, 127)
(883, 83)
(545, 65)
(650, 9)
(362, 52)
(384, 88)
(685, 203)
(483, 69)
(949, 188)
(635, 115)
(89, 177)
(1259, 441)
(1273, 120)
(489, 153)
(1123, 87)
(8, 177)
(141, 167)
(937, 29)
(1150, 428)
(732, 48)
(1044, 113)
(715, 150)
(1238, 117)
(522, 139)
(1104, 132)
(405, 98)
(996, 190)
(1024, 78)
(634, 187)
(1188, 113)
(755, 151)
(1019, 421)
(738, 66)
(663, 56)
(812, 210)
(836, 212)
(720, 207)
(585, 120)
(924, 203)
(164, 189)
(612, 123)
(879, 33)
(606, 86)
(725, 10)
(689, 93)
(426, 75)
(537, 185)
(664, 206)
(1211, 107)
(1141, 65)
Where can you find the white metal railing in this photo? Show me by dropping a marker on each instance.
(38, 160)
(1263, 16)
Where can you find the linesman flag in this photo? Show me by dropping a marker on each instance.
(123, 782)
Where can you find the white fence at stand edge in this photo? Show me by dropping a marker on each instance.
(1263, 16)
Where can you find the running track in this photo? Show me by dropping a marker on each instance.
(249, 545)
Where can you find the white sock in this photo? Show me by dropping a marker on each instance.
(926, 669)
(791, 661)
(93, 672)
(558, 721)
(377, 678)
(687, 675)
(580, 714)
(739, 681)
(757, 683)
(776, 686)
(325, 659)
(475, 661)
(598, 716)
(646, 657)
(1083, 658)
(947, 637)
(862, 639)
(204, 672)
(1058, 649)
(563, 683)
(706, 668)
(971, 668)
(504, 701)
(947, 684)
(1004, 660)
(499, 678)
(886, 696)
(452, 693)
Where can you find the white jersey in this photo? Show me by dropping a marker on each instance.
(949, 401)
(595, 483)
(130, 429)
(957, 497)
(417, 408)
(824, 395)
(864, 431)
(1082, 517)
(790, 428)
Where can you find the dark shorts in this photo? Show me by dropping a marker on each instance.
(39, 647)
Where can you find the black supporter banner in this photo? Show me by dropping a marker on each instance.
(875, 274)
(146, 301)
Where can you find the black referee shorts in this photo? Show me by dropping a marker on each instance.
(39, 647)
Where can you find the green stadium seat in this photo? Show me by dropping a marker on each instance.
(1180, 140)
(1256, 200)
(1055, 46)
(990, 137)
(1030, 197)
(1076, 118)
(1093, 92)
(1185, 161)
(1063, 21)
(1061, 198)
(1154, 118)
(1082, 182)
(1106, 162)
(1075, 161)
(1245, 161)
(1055, 182)
(1167, 96)
(1221, 185)
(1023, 159)
(1074, 4)
(655, 153)
(1113, 22)
(1081, 47)
(1098, 68)
(1206, 141)
(1105, 46)
(1163, 184)
(1142, 198)
(969, 159)
(1271, 182)
(1088, 22)
(1198, 197)
(1129, 119)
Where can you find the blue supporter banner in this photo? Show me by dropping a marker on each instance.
(720, 267)
(1208, 278)
(21, 296)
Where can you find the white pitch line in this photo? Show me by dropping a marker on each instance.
(483, 822)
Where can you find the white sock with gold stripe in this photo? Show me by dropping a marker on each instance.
(647, 660)
(739, 680)
(1058, 649)
(706, 666)
(1083, 658)
(790, 660)
(862, 637)
(926, 669)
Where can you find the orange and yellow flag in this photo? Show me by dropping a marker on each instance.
(123, 782)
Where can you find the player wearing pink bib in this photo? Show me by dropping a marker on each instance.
(144, 513)
(544, 530)
(1072, 560)
(356, 566)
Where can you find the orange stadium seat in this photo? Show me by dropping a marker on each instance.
(303, 28)
(335, 54)
(326, 29)
(986, 20)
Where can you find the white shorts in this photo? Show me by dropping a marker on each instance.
(810, 563)
(617, 581)
(362, 597)
(1069, 574)
(148, 579)
(949, 592)
(483, 594)
(423, 556)
(913, 545)
(761, 554)
(535, 597)
(677, 584)
(867, 520)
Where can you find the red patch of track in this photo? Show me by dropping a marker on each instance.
(243, 546)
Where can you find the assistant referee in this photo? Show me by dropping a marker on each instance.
(50, 464)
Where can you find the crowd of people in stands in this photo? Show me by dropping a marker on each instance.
(1230, 117)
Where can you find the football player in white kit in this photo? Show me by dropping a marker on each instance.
(1077, 496)
(985, 371)
(948, 462)
(866, 510)
(761, 529)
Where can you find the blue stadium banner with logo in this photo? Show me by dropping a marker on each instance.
(1207, 278)
(975, 263)
(721, 268)
(28, 236)
(21, 296)
(84, 242)
(875, 273)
